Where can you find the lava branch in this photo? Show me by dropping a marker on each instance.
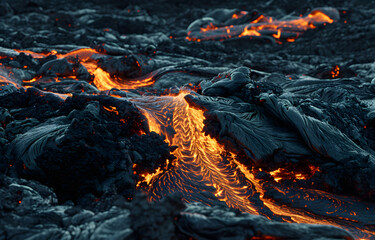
(202, 164)
(287, 30)
(102, 79)
(200, 158)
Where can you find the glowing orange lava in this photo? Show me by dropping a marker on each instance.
(283, 173)
(111, 109)
(204, 170)
(199, 157)
(239, 15)
(267, 26)
(102, 79)
(203, 165)
(335, 72)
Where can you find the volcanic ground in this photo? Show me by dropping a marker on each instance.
(187, 119)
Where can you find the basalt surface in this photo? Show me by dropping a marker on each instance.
(187, 120)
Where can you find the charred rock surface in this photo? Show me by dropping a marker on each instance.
(30, 210)
(270, 125)
(86, 139)
(263, 107)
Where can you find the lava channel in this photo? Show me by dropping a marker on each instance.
(204, 171)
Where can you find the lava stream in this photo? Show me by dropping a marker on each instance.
(203, 167)
(202, 164)
(288, 30)
(205, 172)
(102, 79)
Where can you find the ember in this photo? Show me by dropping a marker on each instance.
(129, 120)
(335, 72)
(284, 173)
(111, 109)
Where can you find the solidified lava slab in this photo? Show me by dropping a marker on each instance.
(194, 120)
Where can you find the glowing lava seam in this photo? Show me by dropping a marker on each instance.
(288, 30)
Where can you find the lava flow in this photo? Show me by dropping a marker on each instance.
(102, 79)
(287, 30)
(207, 172)
(194, 120)
(204, 171)
(202, 168)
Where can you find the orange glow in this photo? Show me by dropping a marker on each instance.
(116, 96)
(6, 81)
(202, 161)
(32, 80)
(148, 177)
(102, 79)
(210, 26)
(235, 16)
(335, 72)
(300, 215)
(249, 32)
(82, 54)
(199, 156)
(277, 35)
(284, 173)
(239, 15)
(264, 26)
(63, 96)
(111, 109)
(261, 18)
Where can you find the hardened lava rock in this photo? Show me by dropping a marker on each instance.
(30, 210)
(68, 150)
(273, 128)
(83, 147)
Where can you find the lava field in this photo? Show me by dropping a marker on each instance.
(187, 120)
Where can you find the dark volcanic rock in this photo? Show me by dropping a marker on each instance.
(27, 207)
(297, 114)
(91, 145)
(206, 223)
(77, 148)
(266, 125)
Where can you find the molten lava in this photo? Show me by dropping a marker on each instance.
(285, 173)
(239, 15)
(287, 30)
(111, 109)
(202, 164)
(204, 171)
(102, 79)
(335, 72)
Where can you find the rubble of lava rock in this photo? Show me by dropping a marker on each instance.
(187, 120)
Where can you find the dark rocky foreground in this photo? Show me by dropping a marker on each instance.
(73, 148)
(39, 217)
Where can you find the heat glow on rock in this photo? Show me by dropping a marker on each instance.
(280, 30)
(205, 170)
